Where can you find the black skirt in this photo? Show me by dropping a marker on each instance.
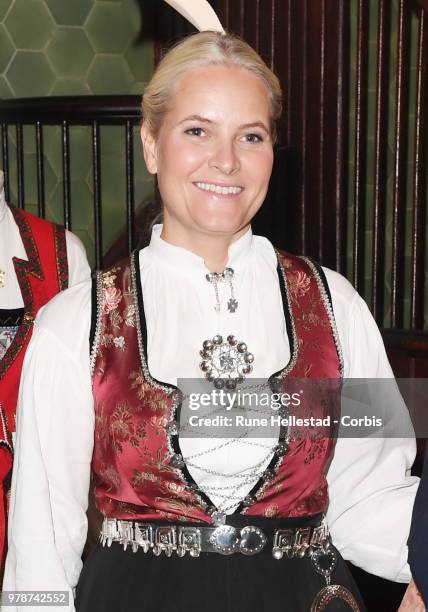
(114, 580)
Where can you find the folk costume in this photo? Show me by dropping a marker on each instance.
(37, 260)
(201, 523)
(261, 501)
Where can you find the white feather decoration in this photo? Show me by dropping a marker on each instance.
(199, 12)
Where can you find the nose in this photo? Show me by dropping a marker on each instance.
(225, 158)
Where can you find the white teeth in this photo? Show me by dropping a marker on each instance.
(219, 189)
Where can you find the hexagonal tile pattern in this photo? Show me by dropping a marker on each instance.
(109, 74)
(138, 88)
(30, 74)
(70, 52)
(30, 179)
(70, 87)
(79, 193)
(70, 12)
(5, 90)
(109, 28)
(4, 7)
(6, 48)
(30, 24)
(140, 60)
(80, 152)
(132, 10)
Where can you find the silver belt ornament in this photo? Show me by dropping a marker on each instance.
(324, 561)
(222, 539)
(312, 542)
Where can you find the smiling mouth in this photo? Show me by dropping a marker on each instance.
(219, 189)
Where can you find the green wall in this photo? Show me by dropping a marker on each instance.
(76, 47)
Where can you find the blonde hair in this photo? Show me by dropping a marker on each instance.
(199, 50)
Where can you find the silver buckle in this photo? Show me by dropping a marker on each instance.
(189, 539)
(302, 541)
(165, 540)
(143, 536)
(109, 532)
(126, 531)
(283, 541)
(319, 535)
(252, 540)
(225, 539)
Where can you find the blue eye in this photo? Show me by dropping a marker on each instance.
(195, 131)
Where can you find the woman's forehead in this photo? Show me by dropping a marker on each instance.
(215, 90)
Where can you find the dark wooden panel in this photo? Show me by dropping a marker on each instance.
(408, 352)
(360, 144)
(335, 140)
(96, 163)
(419, 179)
(66, 175)
(400, 175)
(20, 164)
(41, 204)
(380, 169)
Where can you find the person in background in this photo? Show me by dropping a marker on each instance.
(38, 259)
(418, 548)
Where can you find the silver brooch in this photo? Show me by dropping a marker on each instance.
(225, 363)
(226, 276)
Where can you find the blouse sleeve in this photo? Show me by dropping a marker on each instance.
(371, 490)
(50, 481)
(78, 266)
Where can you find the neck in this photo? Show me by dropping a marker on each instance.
(214, 249)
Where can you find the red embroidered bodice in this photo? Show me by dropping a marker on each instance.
(136, 442)
(40, 278)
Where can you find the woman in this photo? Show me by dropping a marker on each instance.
(204, 283)
(38, 259)
(418, 539)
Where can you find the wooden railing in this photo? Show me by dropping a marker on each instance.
(94, 111)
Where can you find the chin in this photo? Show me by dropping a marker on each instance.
(220, 225)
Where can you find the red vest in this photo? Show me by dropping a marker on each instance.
(136, 447)
(40, 278)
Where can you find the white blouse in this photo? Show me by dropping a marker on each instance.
(371, 491)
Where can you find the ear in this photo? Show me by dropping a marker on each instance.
(149, 149)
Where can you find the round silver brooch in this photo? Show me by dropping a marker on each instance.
(225, 363)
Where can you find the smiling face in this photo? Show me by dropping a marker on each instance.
(213, 154)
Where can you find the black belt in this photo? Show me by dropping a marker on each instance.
(239, 534)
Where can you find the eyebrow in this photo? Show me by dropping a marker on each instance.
(243, 126)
